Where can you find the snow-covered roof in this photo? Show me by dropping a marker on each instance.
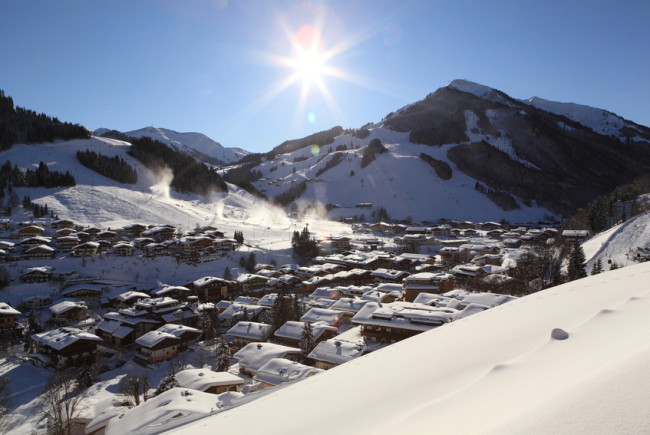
(326, 292)
(348, 305)
(246, 300)
(293, 330)
(235, 310)
(127, 296)
(170, 289)
(336, 351)
(279, 370)
(255, 355)
(63, 337)
(202, 379)
(152, 338)
(64, 306)
(403, 315)
(173, 408)
(329, 316)
(177, 330)
(250, 330)
(7, 310)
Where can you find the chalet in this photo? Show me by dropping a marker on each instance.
(348, 307)
(8, 320)
(115, 334)
(185, 334)
(160, 234)
(36, 274)
(426, 282)
(7, 246)
(29, 231)
(84, 292)
(40, 252)
(341, 349)
(156, 249)
(454, 254)
(92, 232)
(123, 249)
(222, 244)
(466, 274)
(384, 297)
(490, 226)
(156, 346)
(66, 243)
(196, 246)
(134, 230)
(37, 302)
(327, 292)
(210, 288)
(64, 347)
(177, 292)
(251, 282)
(254, 355)
(135, 319)
(128, 298)
(208, 381)
(83, 236)
(389, 275)
(278, 371)
(575, 235)
(291, 332)
(157, 307)
(389, 323)
(141, 242)
(30, 242)
(441, 230)
(326, 316)
(244, 333)
(63, 223)
(69, 312)
(346, 277)
(64, 232)
(268, 300)
(85, 249)
(236, 312)
(182, 316)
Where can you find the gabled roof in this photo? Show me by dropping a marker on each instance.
(279, 370)
(64, 306)
(152, 338)
(63, 337)
(202, 379)
(7, 310)
(250, 330)
(255, 355)
(293, 330)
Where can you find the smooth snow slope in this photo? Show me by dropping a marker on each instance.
(619, 243)
(500, 371)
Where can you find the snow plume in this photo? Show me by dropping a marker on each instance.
(164, 177)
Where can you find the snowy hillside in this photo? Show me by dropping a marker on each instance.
(570, 359)
(191, 143)
(619, 244)
(599, 120)
(398, 181)
(101, 202)
(466, 151)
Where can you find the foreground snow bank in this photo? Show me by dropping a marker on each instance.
(503, 370)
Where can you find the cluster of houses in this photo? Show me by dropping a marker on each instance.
(42, 242)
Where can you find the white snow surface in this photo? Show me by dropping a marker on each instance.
(599, 120)
(570, 359)
(187, 142)
(618, 243)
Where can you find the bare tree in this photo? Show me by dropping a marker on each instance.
(6, 417)
(62, 403)
(135, 388)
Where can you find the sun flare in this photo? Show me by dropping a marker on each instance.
(310, 67)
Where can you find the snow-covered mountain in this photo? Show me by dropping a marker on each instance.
(467, 151)
(197, 145)
(569, 359)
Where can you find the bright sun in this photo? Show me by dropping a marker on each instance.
(310, 67)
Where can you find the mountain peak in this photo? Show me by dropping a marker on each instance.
(479, 90)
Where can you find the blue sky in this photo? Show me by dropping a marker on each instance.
(212, 66)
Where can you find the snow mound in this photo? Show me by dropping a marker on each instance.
(545, 387)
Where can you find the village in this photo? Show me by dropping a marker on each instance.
(236, 336)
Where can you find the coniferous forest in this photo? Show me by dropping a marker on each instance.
(18, 125)
(114, 167)
(41, 177)
(189, 175)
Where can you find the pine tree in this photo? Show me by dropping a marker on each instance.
(227, 275)
(222, 355)
(279, 312)
(167, 383)
(307, 342)
(576, 269)
(597, 267)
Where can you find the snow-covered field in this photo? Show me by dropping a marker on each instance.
(570, 359)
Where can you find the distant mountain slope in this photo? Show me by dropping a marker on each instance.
(569, 359)
(466, 151)
(195, 144)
